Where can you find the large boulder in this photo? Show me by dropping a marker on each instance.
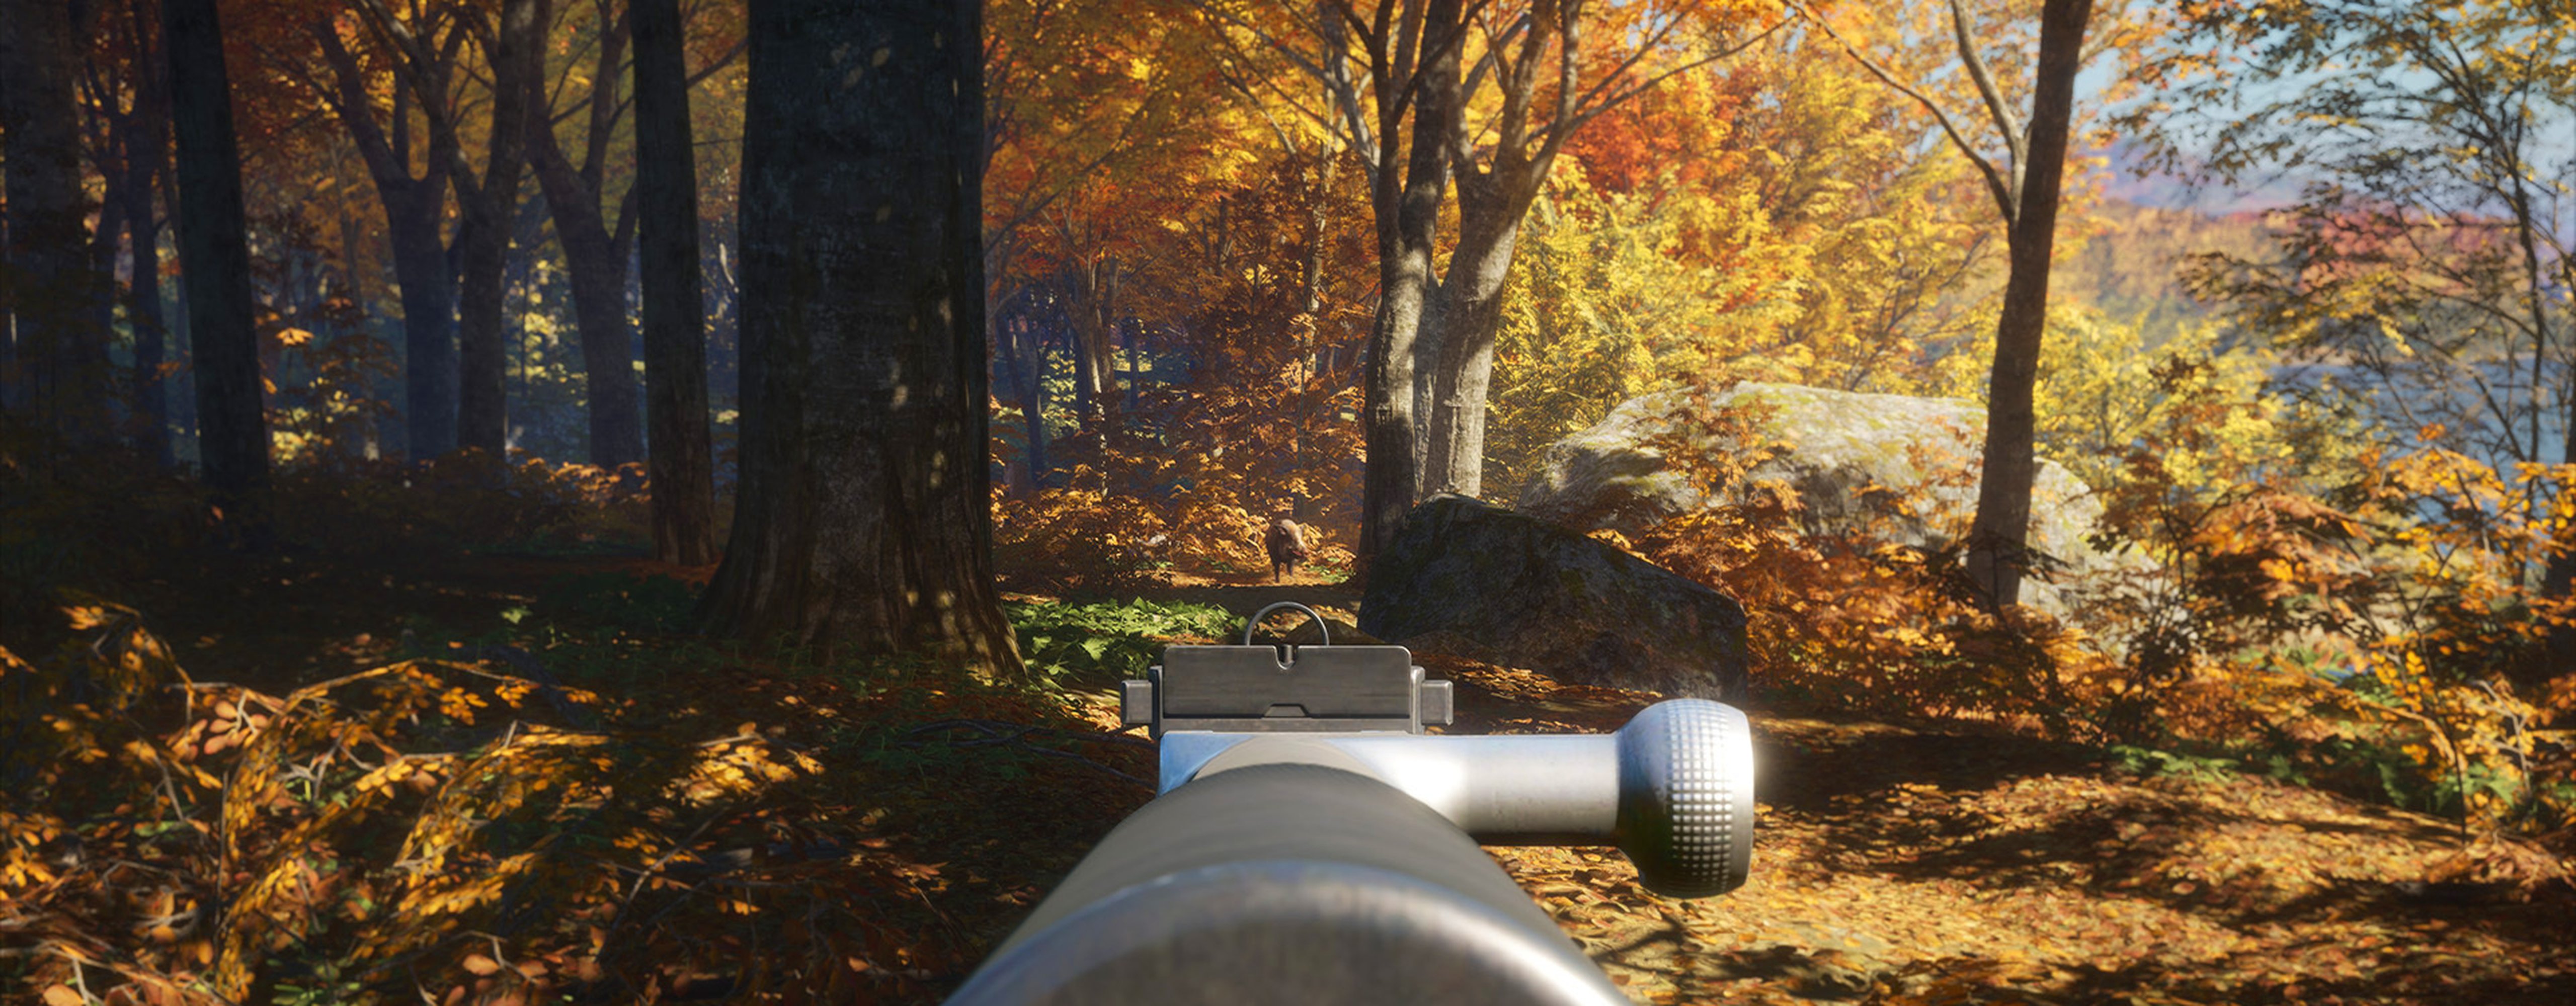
(1466, 577)
(1841, 454)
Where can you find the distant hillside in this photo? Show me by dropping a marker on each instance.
(2126, 264)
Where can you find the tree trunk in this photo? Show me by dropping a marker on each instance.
(52, 282)
(231, 421)
(102, 262)
(1490, 211)
(151, 334)
(863, 525)
(483, 242)
(1033, 402)
(682, 466)
(1023, 361)
(415, 212)
(148, 147)
(595, 259)
(595, 268)
(1404, 278)
(1997, 553)
(1092, 305)
(428, 295)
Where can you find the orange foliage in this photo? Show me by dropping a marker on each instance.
(1268, 421)
(437, 828)
(1843, 619)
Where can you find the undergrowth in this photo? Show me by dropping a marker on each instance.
(499, 828)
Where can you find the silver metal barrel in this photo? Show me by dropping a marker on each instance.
(1673, 789)
(1287, 884)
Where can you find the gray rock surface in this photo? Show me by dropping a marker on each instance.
(1470, 578)
(1839, 448)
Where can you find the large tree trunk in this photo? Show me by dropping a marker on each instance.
(1470, 309)
(1997, 553)
(231, 419)
(483, 243)
(595, 257)
(428, 295)
(52, 283)
(864, 520)
(1406, 222)
(682, 465)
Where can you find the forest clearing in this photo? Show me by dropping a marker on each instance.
(514, 501)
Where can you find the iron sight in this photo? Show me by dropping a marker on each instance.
(1312, 843)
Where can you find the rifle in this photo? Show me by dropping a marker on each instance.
(1311, 844)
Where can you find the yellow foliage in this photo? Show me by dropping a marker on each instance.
(287, 839)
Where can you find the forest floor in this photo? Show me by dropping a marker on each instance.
(1918, 863)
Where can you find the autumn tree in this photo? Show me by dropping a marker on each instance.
(1768, 219)
(60, 350)
(597, 244)
(1484, 96)
(124, 85)
(1100, 137)
(862, 524)
(681, 468)
(411, 167)
(232, 422)
(2432, 247)
(2025, 178)
(510, 43)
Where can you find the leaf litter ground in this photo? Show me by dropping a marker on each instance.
(1898, 864)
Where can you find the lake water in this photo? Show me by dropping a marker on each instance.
(2457, 403)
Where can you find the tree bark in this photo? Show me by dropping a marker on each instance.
(1491, 207)
(231, 419)
(1407, 219)
(483, 242)
(681, 466)
(863, 525)
(595, 256)
(53, 283)
(1997, 549)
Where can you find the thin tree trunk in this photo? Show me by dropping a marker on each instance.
(1404, 279)
(681, 465)
(231, 419)
(864, 521)
(102, 251)
(1023, 359)
(151, 336)
(1997, 550)
(1031, 370)
(40, 151)
(146, 151)
(483, 243)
